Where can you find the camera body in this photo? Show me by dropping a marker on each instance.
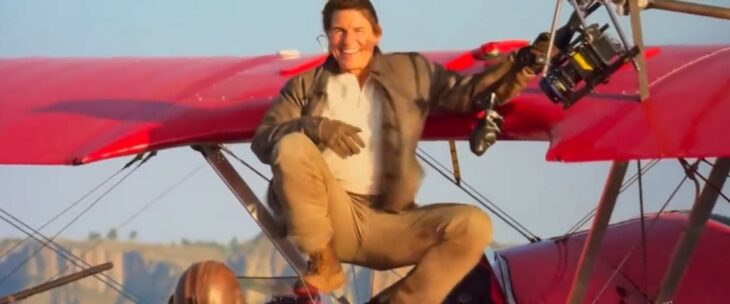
(583, 64)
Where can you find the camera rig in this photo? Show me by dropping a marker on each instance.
(587, 56)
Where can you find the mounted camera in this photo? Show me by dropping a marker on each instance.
(584, 62)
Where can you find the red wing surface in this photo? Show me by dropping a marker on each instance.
(75, 111)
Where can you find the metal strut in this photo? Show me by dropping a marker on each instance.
(18, 296)
(691, 8)
(595, 236)
(699, 215)
(273, 230)
(640, 59)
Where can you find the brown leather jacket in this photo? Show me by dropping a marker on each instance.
(413, 85)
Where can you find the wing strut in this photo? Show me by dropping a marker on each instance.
(455, 162)
(697, 218)
(690, 8)
(640, 59)
(253, 205)
(55, 283)
(593, 243)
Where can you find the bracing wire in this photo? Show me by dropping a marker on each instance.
(73, 204)
(649, 229)
(630, 181)
(139, 158)
(493, 208)
(104, 194)
(481, 198)
(469, 186)
(643, 224)
(261, 175)
(77, 261)
(707, 182)
(141, 210)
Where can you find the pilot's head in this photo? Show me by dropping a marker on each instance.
(352, 31)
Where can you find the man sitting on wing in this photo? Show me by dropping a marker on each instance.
(341, 140)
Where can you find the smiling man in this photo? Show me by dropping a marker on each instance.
(341, 140)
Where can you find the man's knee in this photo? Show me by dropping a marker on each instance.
(474, 227)
(294, 148)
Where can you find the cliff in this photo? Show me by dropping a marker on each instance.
(149, 272)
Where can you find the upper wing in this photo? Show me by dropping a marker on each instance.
(80, 110)
(685, 115)
(75, 111)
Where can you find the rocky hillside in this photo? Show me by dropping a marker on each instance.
(149, 272)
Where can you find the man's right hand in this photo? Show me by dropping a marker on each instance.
(340, 137)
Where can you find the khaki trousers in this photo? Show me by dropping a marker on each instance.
(443, 241)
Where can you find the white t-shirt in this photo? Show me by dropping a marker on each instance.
(348, 103)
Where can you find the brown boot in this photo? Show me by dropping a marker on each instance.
(324, 270)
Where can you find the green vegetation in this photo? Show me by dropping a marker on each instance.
(111, 235)
(94, 236)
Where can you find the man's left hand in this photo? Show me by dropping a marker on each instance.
(534, 56)
(485, 135)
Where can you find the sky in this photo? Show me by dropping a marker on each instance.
(547, 198)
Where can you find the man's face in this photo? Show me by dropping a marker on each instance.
(352, 40)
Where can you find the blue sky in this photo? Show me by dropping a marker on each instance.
(547, 198)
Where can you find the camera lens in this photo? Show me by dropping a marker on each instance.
(553, 89)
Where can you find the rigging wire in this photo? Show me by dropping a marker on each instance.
(531, 237)
(459, 182)
(229, 152)
(628, 183)
(633, 179)
(73, 204)
(144, 208)
(162, 195)
(711, 164)
(77, 261)
(707, 182)
(643, 224)
(649, 229)
(501, 214)
(50, 240)
(332, 295)
(624, 187)
(494, 208)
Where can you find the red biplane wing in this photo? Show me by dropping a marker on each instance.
(684, 116)
(76, 111)
(620, 267)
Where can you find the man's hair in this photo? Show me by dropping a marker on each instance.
(337, 5)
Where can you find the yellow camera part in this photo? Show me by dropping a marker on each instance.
(581, 61)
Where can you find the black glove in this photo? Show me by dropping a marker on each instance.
(340, 137)
(534, 56)
(486, 133)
